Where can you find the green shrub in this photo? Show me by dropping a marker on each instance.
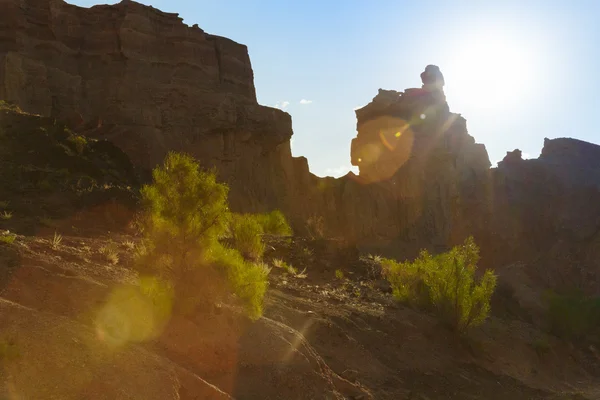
(573, 315)
(274, 223)
(445, 284)
(248, 280)
(186, 216)
(246, 232)
(7, 238)
(79, 142)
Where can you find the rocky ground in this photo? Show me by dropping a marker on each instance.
(71, 329)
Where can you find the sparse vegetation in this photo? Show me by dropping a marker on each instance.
(574, 316)
(56, 240)
(79, 142)
(6, 215)
(274, 223)
(339, 274)
(445, 284)
(279, 263)
(374, 263)
(7, 237)
(110, 253)
(375, 258)
(246, 232)
(128, 244)
(186, 218)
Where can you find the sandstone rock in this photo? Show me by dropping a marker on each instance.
(147, 82)
(144, 80)
(511, 158)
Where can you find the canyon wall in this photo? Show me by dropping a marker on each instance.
(149, 83)
(146, 81)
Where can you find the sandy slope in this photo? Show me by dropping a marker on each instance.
(321, 338)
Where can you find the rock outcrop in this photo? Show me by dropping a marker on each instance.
(149, 83)
(146, 81)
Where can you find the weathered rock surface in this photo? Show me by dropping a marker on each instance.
(149, 83)
(146, 81)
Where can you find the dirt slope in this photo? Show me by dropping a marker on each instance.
(321, 338)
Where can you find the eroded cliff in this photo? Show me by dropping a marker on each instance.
(149, 83)
(146, 81)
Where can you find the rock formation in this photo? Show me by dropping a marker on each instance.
(144, 80)
(149, 83)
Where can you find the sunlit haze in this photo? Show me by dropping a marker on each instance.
(518, 71)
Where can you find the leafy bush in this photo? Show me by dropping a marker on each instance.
(248, 280)
(573, 315)
(246, 232)
(7, 238)
(274, 223)
(79, 142)
(186, 217)
(445, 284)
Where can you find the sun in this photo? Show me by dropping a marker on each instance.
(490, 71)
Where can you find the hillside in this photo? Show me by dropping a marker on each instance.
(92, 99)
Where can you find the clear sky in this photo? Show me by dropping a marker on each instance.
(518, 71)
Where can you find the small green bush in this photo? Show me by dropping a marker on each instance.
(79, 142)
(573, 315)
(246, 232)
(7, 238)
(248, 280)
(186, 217)
(274, 223)
(444, 284)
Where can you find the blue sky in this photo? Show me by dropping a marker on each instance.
(518, 71)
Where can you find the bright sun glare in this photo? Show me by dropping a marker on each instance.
(491, 72)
